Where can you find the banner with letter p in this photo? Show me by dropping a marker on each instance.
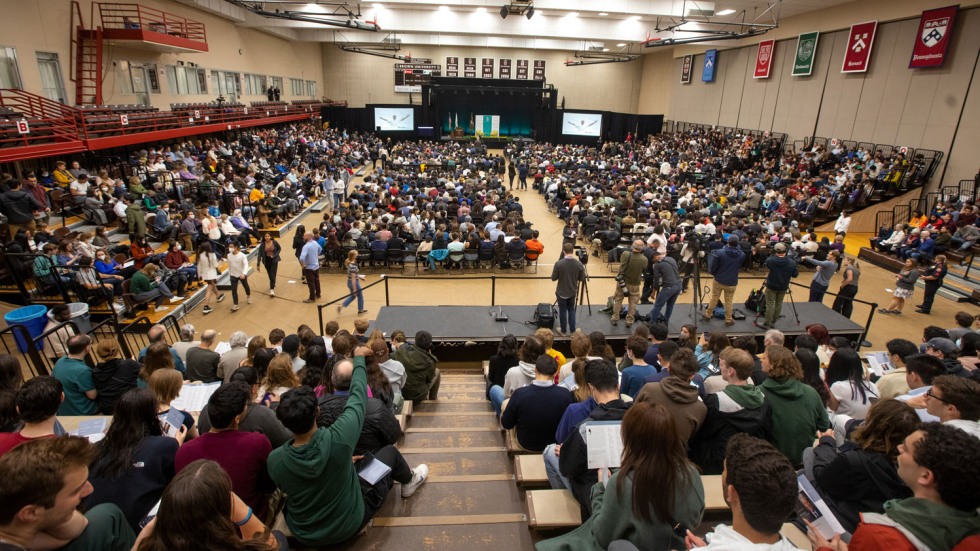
(763, 58)
(857, 57)
(933, 38)
(806, 52)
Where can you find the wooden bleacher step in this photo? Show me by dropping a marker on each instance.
(549, 509)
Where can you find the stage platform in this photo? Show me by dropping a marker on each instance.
(460, 332)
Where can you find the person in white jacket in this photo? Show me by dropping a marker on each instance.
(759, 484)
(238, 274)
(843, 222)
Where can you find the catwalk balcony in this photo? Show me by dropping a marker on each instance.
(136, 26)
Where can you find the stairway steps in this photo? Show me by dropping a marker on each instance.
(471, 537)
(454, 499)
(463, 464)
(453, 408)
(453, 422)
(458, 439)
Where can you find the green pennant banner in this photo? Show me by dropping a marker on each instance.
(806, 52)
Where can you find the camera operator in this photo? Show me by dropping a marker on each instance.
(665, 269)
(724, 264)
(628, 281)
(781, 270)
(569, 272)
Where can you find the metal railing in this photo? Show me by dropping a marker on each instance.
(32, 358)
(138, 17)
(134, 335)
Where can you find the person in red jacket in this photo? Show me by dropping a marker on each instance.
(938, 463)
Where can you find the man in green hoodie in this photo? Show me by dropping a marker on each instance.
(797, 411)
(422, 375)
(738, 407)
(328, 502)
(938, 463)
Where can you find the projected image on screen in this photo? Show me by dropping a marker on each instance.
(394, 119)
(581, 124)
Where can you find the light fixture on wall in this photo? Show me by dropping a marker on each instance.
(530, 12)
(518, 7)
(504, 12)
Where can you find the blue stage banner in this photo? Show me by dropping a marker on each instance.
(710, 60)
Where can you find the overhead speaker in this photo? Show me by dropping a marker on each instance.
(530, 12)
(504, 12)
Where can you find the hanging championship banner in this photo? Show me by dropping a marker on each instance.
(933, 38)
(710, 60)
(469, 67)
(763, 58)
(452, 66)
(806, 52)
(539, 69)
(521, 69)
(686, 69)
(487, 68)
(504, 68)
(857, 57)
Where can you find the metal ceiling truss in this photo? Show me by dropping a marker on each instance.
(595, 55)
(734, 28)
(341, 16)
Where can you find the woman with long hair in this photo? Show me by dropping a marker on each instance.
(316, 362)
(844, 302)
(207, 269)
(166, 385)
(198, 509)
(654, 498)
(298, 241)
(113, 375)
(268, 256)
(254, 345)
(353, 284)
(851, 393)
(378, 384)
(688, 337)
(797, 411)
(11, 378)
(600, 348)
(862, 475)
(157, 357)
(279, 378)
(135, 461)
(502, 361)
(810, 364)
(820, 333)
(904, 287)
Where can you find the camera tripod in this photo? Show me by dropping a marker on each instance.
(583, 292)
(792, 302)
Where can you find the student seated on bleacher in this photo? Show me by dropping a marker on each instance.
(37, 404)
(678, 394)
(257, 417)
(242, 454)
(938, 462)
(380, 427)
(759, 484)
(797, 411)
(43, 483)
(862, 475)
(652, 507)
(567, 462)
(328, 502)
(76, 378)
(536, 409)
(738, 408)
(634, 376)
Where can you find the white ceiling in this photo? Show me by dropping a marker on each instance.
(556, 24)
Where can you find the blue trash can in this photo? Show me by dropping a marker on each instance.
(34, 318)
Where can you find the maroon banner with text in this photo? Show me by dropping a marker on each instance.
(857, 57)
(763, 58)
(932, 40)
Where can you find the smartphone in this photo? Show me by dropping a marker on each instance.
(707, 335)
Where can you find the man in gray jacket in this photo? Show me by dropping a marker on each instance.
(568, 272)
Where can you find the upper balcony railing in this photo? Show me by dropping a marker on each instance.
(115, 16)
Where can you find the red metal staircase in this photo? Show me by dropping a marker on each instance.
(86, 47)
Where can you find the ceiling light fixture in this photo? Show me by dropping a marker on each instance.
(481, 10)
(573, 14)
(603, 14)
(504, 12)
(620, 45)
(443, 8)
(725, 12)
(530, 12)
(377, 6)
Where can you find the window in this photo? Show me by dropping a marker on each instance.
(227, 84)
(277, 82)
(9, 72)
(297, 86)
(311, 88)
(186, 80)
(255, 85)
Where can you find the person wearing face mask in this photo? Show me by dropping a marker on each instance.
(185, 273)
(188, 233)
(110, 269)
(238, 274)
(162, 224)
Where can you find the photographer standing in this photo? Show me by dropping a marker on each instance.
(628, 281)
(665, 270)
(724, 264)
(781, 270)
(569, 273)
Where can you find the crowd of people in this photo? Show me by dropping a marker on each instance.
(288, 447)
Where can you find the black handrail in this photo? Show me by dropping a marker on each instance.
(44, 341)
(31, 357)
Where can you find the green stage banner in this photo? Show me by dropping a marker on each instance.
(806, 52)
(489, 125)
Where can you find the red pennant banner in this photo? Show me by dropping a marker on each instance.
(857, 57)
(763, 58)
(933, 38)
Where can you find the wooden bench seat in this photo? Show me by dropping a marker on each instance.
(529, 470)
(548, 509)
(401, 421)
